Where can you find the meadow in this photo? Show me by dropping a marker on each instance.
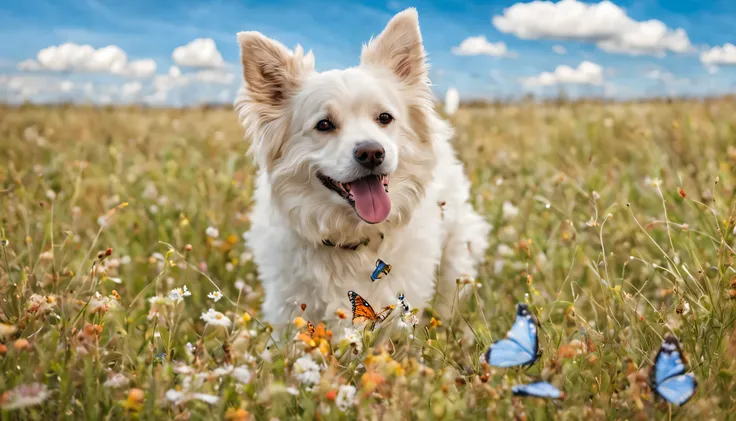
(615, 222)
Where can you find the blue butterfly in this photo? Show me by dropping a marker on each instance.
(521, 344)
(668, 378)
(381, 269)
(538, 390)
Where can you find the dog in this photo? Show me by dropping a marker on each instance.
(354, 165)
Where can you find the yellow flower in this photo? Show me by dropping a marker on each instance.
(246, 317)
(299, 322)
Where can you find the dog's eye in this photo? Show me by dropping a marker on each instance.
(325, 126)
(385, 118)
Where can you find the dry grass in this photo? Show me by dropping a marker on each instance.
(615, 222)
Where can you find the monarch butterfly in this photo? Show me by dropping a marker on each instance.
(381, 269)
(364, 314)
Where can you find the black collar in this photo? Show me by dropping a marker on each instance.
(354, 246)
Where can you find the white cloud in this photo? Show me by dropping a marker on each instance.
(603, 23)
(131, 89)
(452, 101)
(587, 73)
(214, 76)
(473, 46)
(202, 52)
(559, 49)
(666, 77)
(717, 55)
(29, 65)
(70, 57)
(174, 71)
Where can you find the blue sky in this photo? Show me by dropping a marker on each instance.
(148, 30)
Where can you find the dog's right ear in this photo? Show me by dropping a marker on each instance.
(270, 71)
(272, 75)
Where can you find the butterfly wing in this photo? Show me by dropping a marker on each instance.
(668, 362)
(678, 389)
(507, 353)
(362, 311)
(524, 330)
(537, 389)
(521, 345)
(670, 380)
(310, 326)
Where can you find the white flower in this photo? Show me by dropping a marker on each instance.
(505, 250)
(222, 371)
(242, 374)
(216, 318)
(686, 308)
(51, 194)
(190, 347)
(102, 220)
(509, 211)
(345, 397)
(116, 381)
(212, 232)
(183, 369)
(292, 390)
(177, 294)
(245, 257)
(498, 265)
(249, 359)
(239, 284)
(215, 295)
(125, 260)
(229, 267)
(180, 397)
(307, 371)
(24, 396)
(596, 195)
(353, 337)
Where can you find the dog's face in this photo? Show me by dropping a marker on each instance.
(343, 149)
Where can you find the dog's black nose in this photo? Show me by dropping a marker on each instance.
(369, 154)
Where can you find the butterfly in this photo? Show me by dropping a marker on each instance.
(521, 344)
(405, 307)
(363, 313)
(668, 377)
(381, 269)
(538, 390)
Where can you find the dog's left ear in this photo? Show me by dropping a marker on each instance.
(399, 47)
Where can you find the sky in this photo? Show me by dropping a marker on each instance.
(183, 52)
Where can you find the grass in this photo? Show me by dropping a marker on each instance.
(615, 222)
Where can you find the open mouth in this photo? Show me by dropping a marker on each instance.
(367, 195)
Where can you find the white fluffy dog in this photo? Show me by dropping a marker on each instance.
(354, 165)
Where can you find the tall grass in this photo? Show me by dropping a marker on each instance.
(615, 222)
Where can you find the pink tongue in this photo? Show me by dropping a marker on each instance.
(371, 200)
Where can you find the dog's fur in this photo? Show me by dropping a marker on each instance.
(431, 232)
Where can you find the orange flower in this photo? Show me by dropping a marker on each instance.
(331, 395)
(299, 322)
(433, 323)
(370, 381)
(341, 313)
(21, 344)
(233, 414)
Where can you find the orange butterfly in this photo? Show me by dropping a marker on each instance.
(363, 313)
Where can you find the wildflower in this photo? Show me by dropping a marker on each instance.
(46, 256)
(504, 250)
(509, 211)
(292, 390)
(307, 371)
(433, 323)
(249, 359)
(222, 371)
(7, 330)
(116, 381)
(246, 256)
(686, 308)
(212, 232)
(24, 396)
(242, 374)
(177, 294)
(341, 313)
(345, 397)
(246, 317)
(596, 195)
(125, 260)
(238, 414)
(100, 305)
(190, 347)
(229, 267)
(265, 355)
(38, 304)
(352, 337)
(21, 344)
(216, 318)
(179, 398)
(299, 322)
(215, 295)
(239, 284)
